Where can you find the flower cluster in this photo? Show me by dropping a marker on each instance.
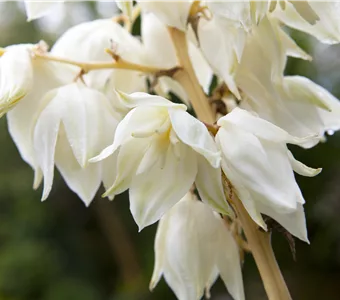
(98, 107)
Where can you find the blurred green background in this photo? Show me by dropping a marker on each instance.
(61, 250)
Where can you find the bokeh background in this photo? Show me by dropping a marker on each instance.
(60, 250)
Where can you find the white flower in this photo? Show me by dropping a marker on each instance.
(318, 18)
(37, 9)
(256, 160)
(174, 14)
(225, 58)
(21, 119)
(87, 42)
(192, 247)
(16, 76)
(163, 150)
(75, 123)
(295, 103)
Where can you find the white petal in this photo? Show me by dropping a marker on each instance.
(260, 127)
(301, 168)
(38, 9)
(195, 134)
(155, 192)
(83, 181)
(109, 171)
(160, 250)
(129, 157)
(45, 140)
(229, 265)
(209, 185)
(294, 222)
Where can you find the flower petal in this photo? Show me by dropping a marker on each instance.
(195, 134)
(155, 192)
(45, 140)
(301, 168)
(209, 185)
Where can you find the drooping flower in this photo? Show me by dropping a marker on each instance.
(256, 160)
(74, 124)
(293, 103)
(37, 9)
(16, 76)
(162, 151)
(192, 247)
(43, 76)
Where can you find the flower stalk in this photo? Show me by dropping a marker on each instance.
(258, 241)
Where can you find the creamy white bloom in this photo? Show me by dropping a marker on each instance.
(225, 58)
(162, 151)
(37, 9)
(192, 247)
(21, 119)
(317, 18)
(256, 160)
(75, 123)
(296, 104)
(16, 76)
(160, 52)
(174, 14)
(87, 42)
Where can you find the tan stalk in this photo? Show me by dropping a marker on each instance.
(258, 241)
(90, 66)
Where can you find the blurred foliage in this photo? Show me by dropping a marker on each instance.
(61, 250)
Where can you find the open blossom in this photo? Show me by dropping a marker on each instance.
(192, 247)
(259, 165)
(162, 151)
(16, 76)
(74, 124)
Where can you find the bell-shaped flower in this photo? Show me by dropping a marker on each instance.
(16, 76)
(295, 104)
(160, 52)
(37, 9)
(192, 247)
(317, 18)
(162, 151)
(75, 123)
(225, 58)
(173, 14)
(43, 76)
(256, 160)
(87, 42)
